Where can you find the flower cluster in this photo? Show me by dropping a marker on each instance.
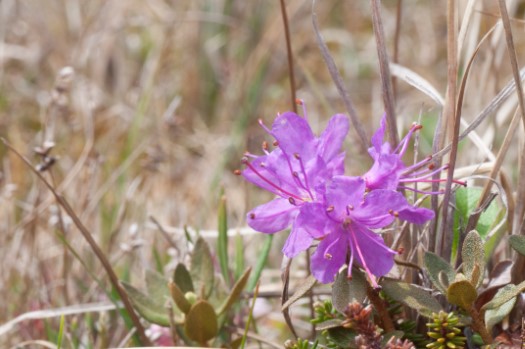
(315, 199)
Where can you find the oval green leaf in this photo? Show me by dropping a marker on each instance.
(344, 291)
(201, 323)
(462, 293)
(412, 295)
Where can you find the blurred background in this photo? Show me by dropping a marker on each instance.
(151, 104)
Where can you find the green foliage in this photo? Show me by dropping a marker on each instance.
(462, 293)
(496, 315)
(345, 291)
(324, 311)
(182, 277)
(507, 293)
(151, 309)
(517, 242)
(261, 262)
(467, 199)
(201, 323)
(443, 331)
(201, 269)
(302, 290)
(222, 240)
(439, 271)
(301, 344)
(473, 255)
(411, 295)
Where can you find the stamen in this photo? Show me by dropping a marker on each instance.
(428, 173)
(306, 185)
(363, 262)
(237, 172)
(302, 104)
(404, 143)
(330, 208)
(275, 143)
(441, 191)
(252, 215)
(327, 254)
(401, 250)
(245, 161)
(291, 200)
(265, 147)
(423, 180)
(264, 126)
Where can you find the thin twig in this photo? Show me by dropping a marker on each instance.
(285, 277)
(94, 246)
(290, 55)
(338, 81)
(397, 35)
(384, 72)
(450, 114)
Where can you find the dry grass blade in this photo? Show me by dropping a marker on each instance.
(338, 81)
(384, 72)
(290, 55)
(450, 115)
(473, 220)
(92, 243)
(520, 205)
(52, 313)
(285, 277)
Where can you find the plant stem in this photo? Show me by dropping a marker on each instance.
(386, 321)
(478, 325)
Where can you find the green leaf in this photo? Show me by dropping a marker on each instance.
(149, 308)
(178, 297)
(439, 271)
(261, 262)
(222, 240)
(344, 291)
(494, 316)
(305, 286)
(201, 323)
(462, 293)
(343, 337)
(239, 255)
(157, 286)
(235, 292)
(507, 293)
(60, 331)
(182, 277)
(517, 242)
(201, 269)
(411, 295)
(473, 255)
(467, 199)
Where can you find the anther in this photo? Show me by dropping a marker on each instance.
(401, 250)
(237, 172)
(431, 166)
(252, 215)
(330, 208)
(297, 156)
(328, 256)
(295, 174)
(391, 211)
(265, 145)
(275, 143)
(396, 214)
(299, 101)
(350, 207)
(244, 160)
(291, 200)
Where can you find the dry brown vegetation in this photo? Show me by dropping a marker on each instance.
(151, 104)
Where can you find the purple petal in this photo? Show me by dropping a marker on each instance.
(332, 138)
(329, 256)
(379, 135)
(294, 135)
(298, 241)
(417, 215)
(336, 166)
(378, 258)
(344, 191)
(272, 217)
(385, 172)
(312, 219)
(377, 210)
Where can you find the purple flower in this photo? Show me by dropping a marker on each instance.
(296, 172)
(389, 171)
(345, 221)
